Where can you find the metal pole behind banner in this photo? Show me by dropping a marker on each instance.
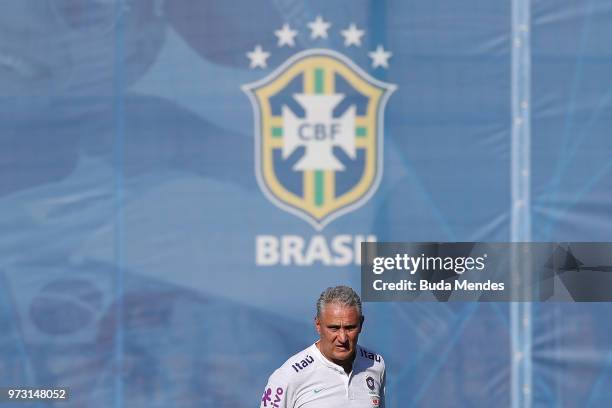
(520, 312)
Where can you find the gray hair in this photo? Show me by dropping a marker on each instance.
(341, 295)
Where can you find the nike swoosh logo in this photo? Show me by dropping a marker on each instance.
(316, 391)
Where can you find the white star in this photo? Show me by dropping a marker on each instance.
(318, 28)
(380, 57)
(286, 36)
(352, 36)
(258, 57)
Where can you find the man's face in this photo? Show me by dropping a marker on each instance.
(339, 327)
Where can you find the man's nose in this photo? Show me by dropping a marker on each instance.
(342, 337)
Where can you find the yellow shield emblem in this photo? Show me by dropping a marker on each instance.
(319, 135)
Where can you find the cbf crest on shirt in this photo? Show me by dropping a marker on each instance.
(319, 133)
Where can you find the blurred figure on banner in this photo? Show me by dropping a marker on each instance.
(83, 154)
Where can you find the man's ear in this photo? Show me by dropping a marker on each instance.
(361, 323)
(318, 325)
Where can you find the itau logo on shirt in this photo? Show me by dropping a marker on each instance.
(318, 124)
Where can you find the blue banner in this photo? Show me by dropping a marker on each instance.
(179, 181)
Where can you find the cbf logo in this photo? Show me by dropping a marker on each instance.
(318, 127)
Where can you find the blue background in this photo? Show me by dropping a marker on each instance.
(129, 205)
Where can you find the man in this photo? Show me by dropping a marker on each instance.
(335, 372)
